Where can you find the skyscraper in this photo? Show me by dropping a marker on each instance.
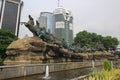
(63, 24)
(46, 20)
(10, 15)
(59, 23)
(1, 2)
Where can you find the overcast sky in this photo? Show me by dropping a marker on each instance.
(98, 16)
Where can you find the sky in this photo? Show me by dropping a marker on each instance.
(98, 16)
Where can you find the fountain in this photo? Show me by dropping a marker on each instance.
(93, 68)
(93, 64)
(46, 77)
(112, 64)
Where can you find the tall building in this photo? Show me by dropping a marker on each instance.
(63, 24)
(1, 3)
(46, 20)
(10, 11)
(59, 23)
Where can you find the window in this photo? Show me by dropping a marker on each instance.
(10, 16)
(60, 24)
(0, 7)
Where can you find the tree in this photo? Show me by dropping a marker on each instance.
(82, 38)
(115, 42)
(95, 41)
(110, 43)
(6, 37)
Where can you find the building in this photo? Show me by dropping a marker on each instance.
(1, 5)
(46, 20)
(10, 11)
(59, 23)
(63, 24)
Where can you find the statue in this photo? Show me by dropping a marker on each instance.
(41, 33)
(30, 25)
(37, 31)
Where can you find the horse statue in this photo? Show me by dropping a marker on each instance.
(41, 33)
(37, 30)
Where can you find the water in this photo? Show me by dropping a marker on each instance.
(111, 64)
(62, 75)
(46, 73)
(93, 64)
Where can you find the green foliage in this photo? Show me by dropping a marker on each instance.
(94, 41)
(107, 65)
(113, 74)
(107, 73)
(1, 60)
(6, 37)
(83, 38)
(110, 43)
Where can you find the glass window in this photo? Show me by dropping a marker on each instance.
(17, 0)
(0, 7)
(10, 16)
(0, 4)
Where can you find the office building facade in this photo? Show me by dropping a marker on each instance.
(46, 20)
(63, 24)
(10, 15)
(59, 23)
(1, 3)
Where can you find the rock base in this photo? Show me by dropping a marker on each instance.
(32, 50)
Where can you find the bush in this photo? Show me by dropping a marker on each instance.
(107, 65)
(113, 74)
(1, 60)
(6, 37)
(106, 74)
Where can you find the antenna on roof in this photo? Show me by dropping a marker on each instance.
(58, 3)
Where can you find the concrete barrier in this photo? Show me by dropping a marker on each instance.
(30, 69)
